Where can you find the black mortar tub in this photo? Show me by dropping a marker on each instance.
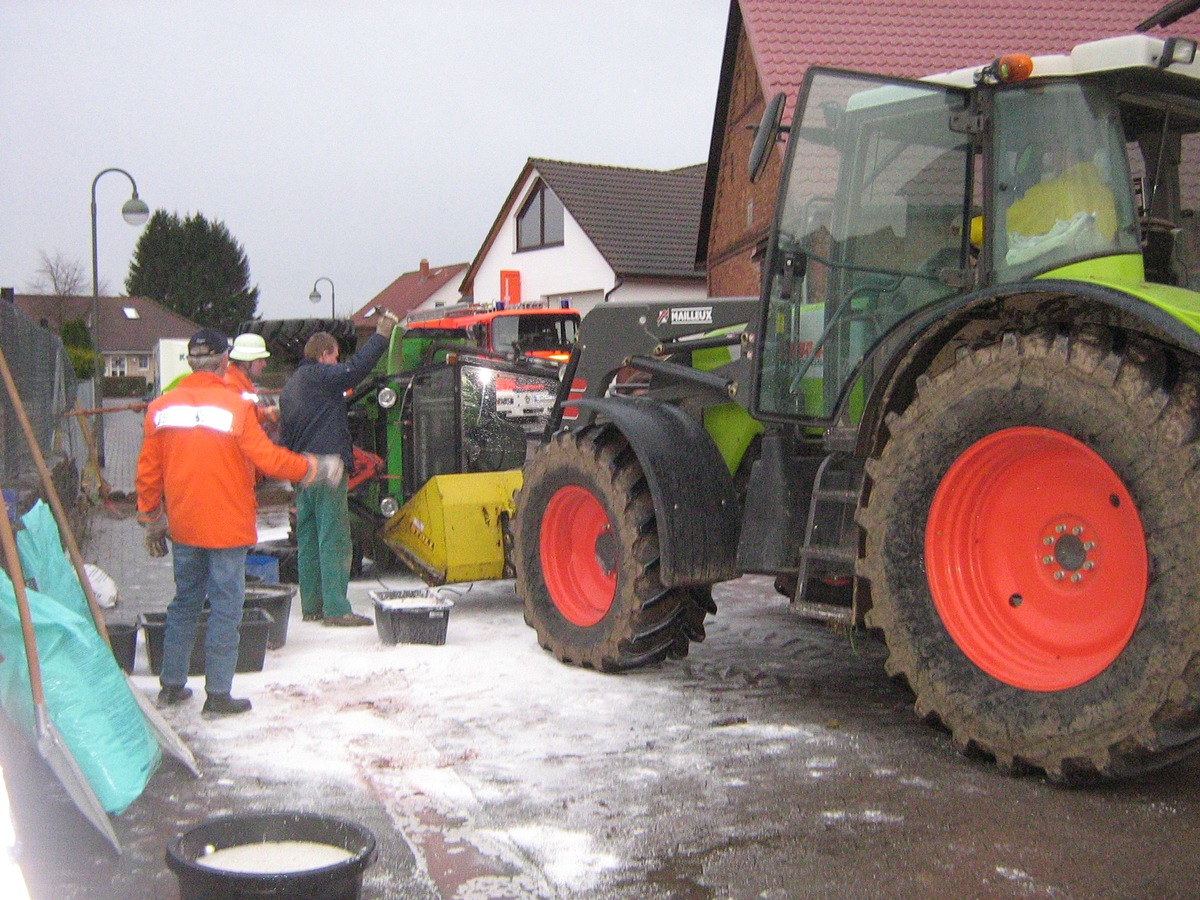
(340, 881)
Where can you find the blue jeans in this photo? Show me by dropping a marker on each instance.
(218, 576)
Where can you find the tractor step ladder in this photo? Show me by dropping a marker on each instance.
(841, 557)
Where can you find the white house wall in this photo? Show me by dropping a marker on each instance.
(576, 271)
(446, 295)
(575, 268)
(636, 290)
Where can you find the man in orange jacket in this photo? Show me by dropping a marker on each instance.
(195, 482)
(247, 358)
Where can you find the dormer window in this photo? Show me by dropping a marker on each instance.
(540, 221)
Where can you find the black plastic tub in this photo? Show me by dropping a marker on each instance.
(340, 881)
(411, 617)
(124, 643)
(252, 646)
(276, 599)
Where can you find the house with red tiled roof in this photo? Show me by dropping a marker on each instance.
(130, 327)
(424, 288)
(576, 234)
(769, 45)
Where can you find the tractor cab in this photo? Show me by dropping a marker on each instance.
(904, 200)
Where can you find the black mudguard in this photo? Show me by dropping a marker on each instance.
(696, 505)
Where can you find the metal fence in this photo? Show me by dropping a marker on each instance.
(48, 388)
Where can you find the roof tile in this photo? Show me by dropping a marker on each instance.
(643, 221)
(410, 290)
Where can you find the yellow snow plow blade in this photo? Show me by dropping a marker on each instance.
(449, 530)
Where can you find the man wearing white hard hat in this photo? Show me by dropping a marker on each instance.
(247, 359)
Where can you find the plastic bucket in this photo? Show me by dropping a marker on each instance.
(124, 644)
(411, 617)
(340, 881)
(262, 569)
(276, 599)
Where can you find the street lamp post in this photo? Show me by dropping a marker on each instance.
(315, 296)
(135, 212)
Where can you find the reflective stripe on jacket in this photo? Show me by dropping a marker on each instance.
(201, 445)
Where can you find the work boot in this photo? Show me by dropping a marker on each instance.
(225, 705)
(313, 617)
(349, 620)
(172, 694)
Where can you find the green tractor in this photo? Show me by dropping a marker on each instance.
(440, 430)
(964, 412)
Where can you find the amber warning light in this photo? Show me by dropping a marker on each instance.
(1006, 69)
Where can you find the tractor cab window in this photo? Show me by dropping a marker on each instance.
(1162, 136)
(1061, 181)
(503, 414)
(872, 228)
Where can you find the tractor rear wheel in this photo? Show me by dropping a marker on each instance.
(1034, 558)
(586, 555)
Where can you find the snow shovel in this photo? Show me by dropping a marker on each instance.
(49, 742)
(171, 742)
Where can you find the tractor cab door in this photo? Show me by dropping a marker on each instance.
(871, 226)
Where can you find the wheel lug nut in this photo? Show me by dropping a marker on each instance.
(1077, 530)
(1058, 576)
(1046, 560)
(1076, 578)
(1089, 545)
(1047, 540)
(1060, 528)
(1089, 565)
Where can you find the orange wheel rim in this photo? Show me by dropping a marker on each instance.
(1036, 559)
(578, 555)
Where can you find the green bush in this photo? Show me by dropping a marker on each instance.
(83, 361)
(126, 386)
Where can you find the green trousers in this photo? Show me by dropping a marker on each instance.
(323, 548)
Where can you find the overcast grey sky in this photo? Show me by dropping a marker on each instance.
(343, 138)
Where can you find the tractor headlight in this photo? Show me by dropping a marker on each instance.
(388, 506)
(386, 397)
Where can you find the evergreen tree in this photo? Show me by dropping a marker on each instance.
(195, 268)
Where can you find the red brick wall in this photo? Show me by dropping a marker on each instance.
(742, 211)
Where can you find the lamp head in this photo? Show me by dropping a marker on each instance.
(315, 296)
(135, 211)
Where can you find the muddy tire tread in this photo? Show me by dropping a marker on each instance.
(1115, 395)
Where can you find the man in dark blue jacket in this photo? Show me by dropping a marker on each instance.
(313, 414)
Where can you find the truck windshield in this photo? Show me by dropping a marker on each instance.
(1061, 179)
(534, 333)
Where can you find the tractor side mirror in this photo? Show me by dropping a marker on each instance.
(766, 134)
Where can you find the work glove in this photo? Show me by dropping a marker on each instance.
(324, 467)
(387, 321)
(155, 539)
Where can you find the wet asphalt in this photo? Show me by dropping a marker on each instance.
(777, 761)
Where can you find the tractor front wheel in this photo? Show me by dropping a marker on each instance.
(1033, 553)
(585, 548)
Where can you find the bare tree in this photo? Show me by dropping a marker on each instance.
(60, 276)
